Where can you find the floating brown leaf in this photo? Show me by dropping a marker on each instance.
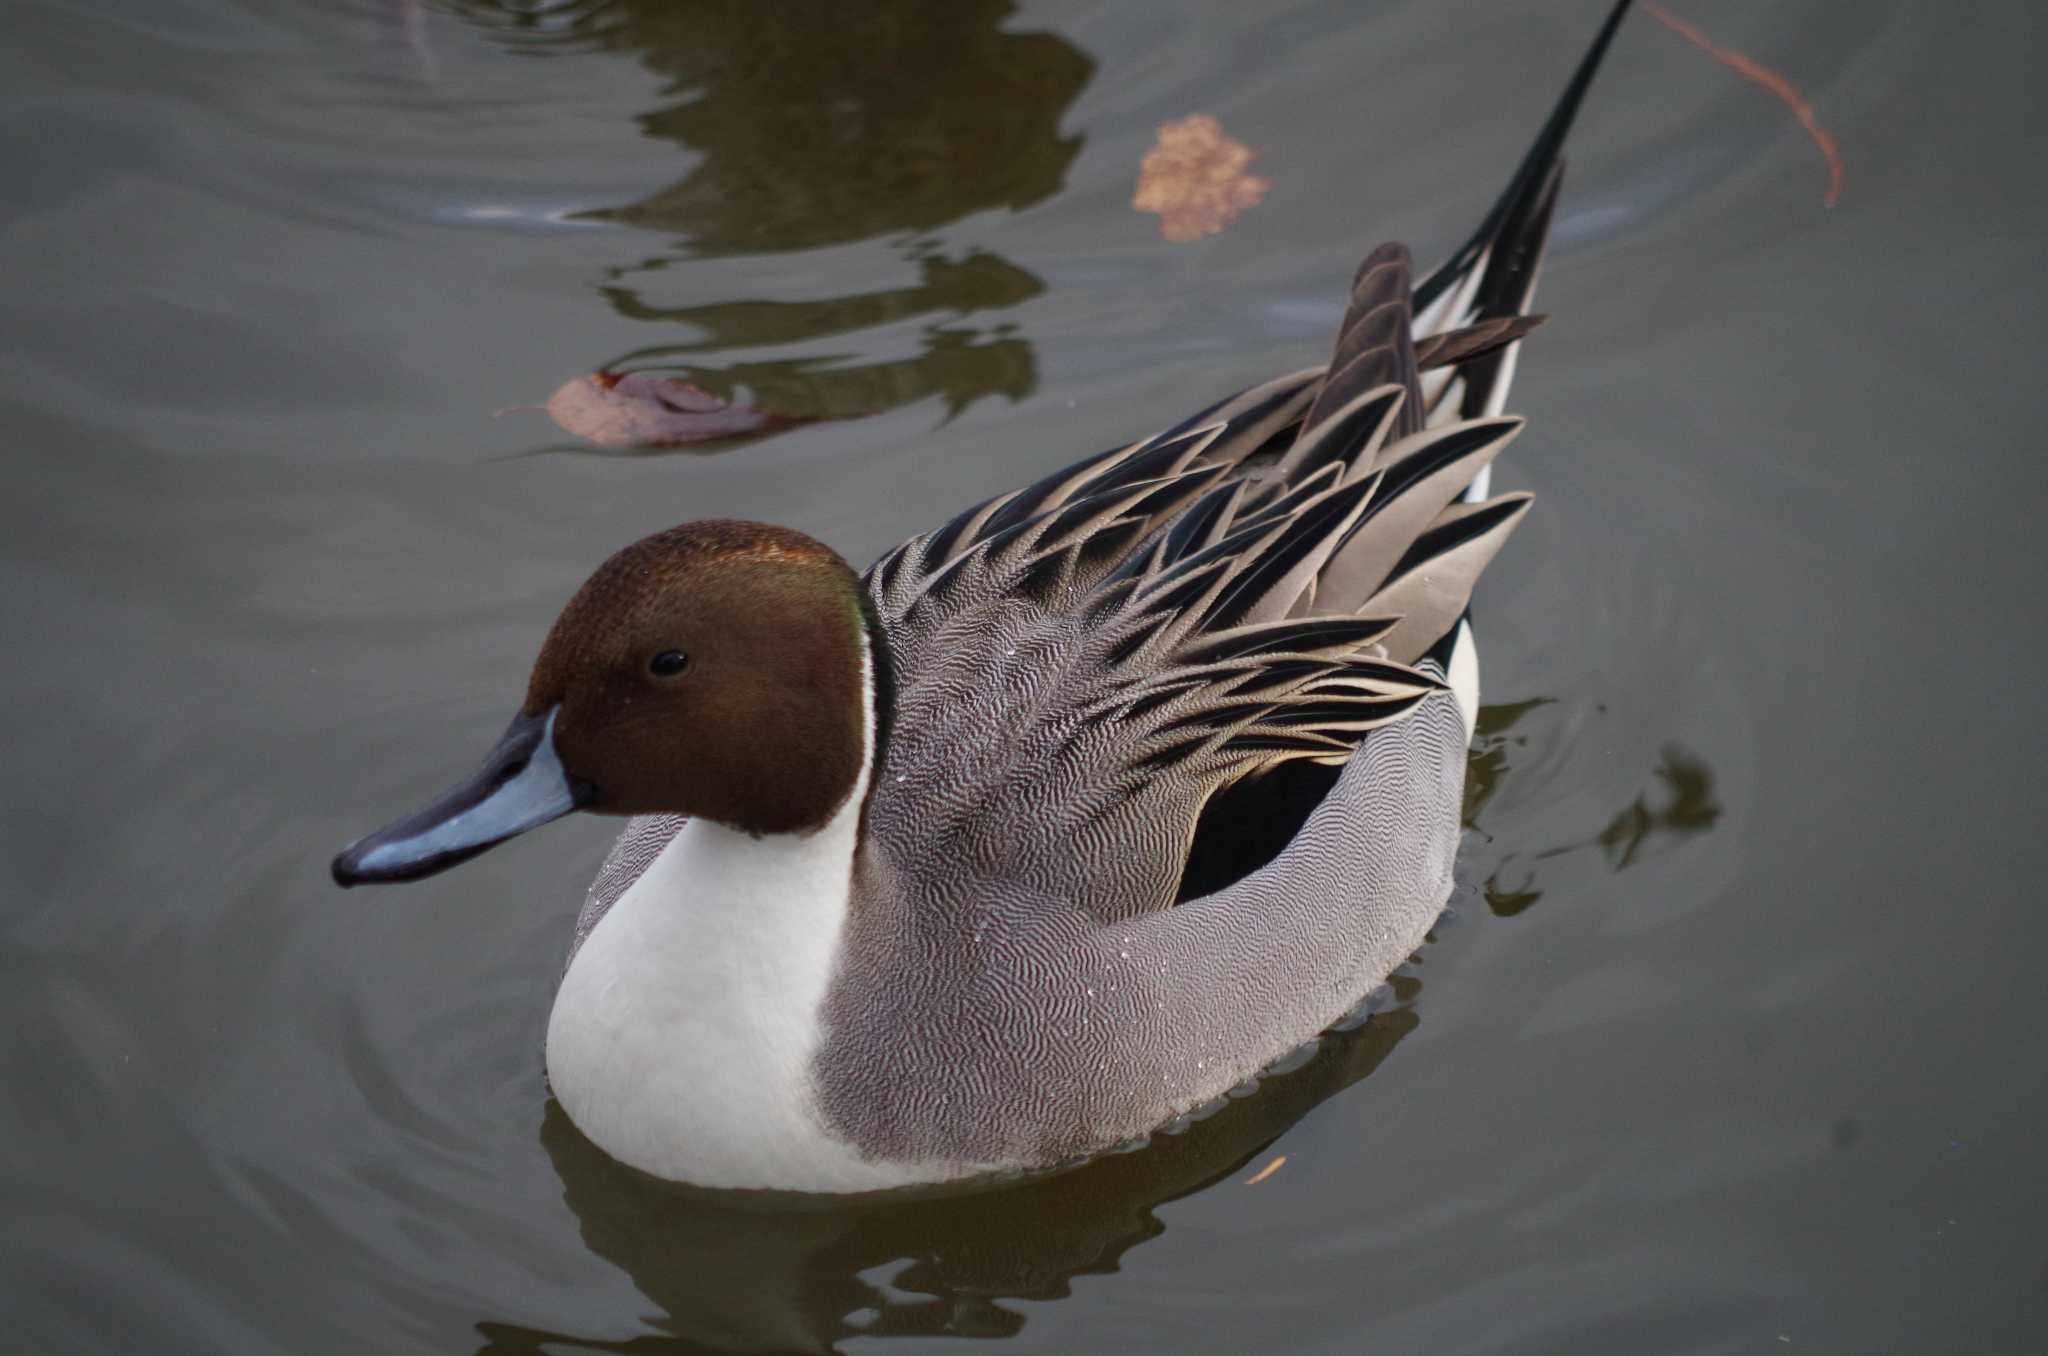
(1197, 178)
(640, 409)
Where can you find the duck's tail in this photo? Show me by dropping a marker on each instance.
(1492, 277)
(1484, 267)
(1450, 340)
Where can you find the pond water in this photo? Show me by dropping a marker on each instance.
(1730, 1040)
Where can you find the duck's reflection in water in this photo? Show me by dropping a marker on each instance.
(739, 1274)
(812, 125)
(731, 1275)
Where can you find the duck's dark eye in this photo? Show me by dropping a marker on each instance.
(668, 663)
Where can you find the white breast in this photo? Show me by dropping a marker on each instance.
(681, 1040)
(682, 1037)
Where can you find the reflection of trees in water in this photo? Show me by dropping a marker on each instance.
(1683, 805)
(1680, 805)
(821, 124)
(734, 1275)
(955, 362)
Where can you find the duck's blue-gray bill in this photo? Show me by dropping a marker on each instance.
(520, 786)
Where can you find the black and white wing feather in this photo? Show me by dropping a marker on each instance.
(1111, 645)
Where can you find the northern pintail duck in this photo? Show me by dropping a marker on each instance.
(1062, 820)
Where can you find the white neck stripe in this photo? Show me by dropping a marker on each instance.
(682, 1038)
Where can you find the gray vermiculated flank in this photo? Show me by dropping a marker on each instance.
(986, 1017)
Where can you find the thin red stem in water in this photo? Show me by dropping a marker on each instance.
(1770, 80)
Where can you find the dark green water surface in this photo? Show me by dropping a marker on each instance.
(1732, 1040)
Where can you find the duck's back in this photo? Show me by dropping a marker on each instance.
(1079, 668)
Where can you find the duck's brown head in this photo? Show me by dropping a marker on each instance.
(719, 669)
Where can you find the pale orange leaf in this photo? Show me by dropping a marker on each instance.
(1197, 178)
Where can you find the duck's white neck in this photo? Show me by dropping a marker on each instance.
(682, 1037)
